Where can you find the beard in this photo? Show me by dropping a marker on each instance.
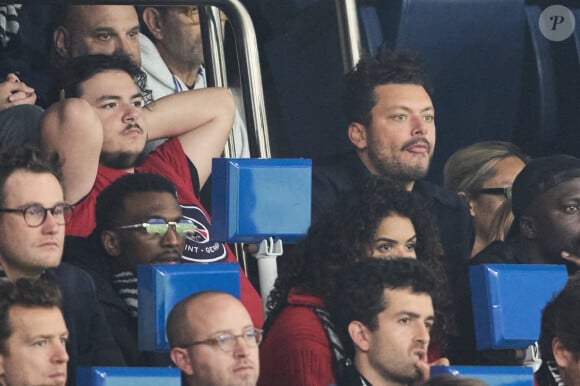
(119, 161)
(395, 168)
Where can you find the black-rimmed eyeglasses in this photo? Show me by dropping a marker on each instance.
(506, 192)
(159, 227)
(35, 215)
(227, 342)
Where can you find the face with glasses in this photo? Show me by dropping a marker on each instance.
(32, 224)
(151, 230)
(485, 202)
(221, 346)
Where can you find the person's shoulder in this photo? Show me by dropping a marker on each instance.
(498, 252)
(69, 276)
(439, 194)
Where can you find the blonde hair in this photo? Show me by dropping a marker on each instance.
(468, 168)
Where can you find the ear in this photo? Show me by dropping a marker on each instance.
(357, 133)
(1, 367)
(151, 19)
(528, 227)
(110, 242)
(469, 202)
(561, 354)
(181, 358)
(61, 40)
(359, 335)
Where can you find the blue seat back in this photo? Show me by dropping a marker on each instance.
(508, 300)
(253, 199)
(128, 376)
(491, 375)
(160, 287)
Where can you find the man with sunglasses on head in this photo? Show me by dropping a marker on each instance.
(213, 341)
(139, 221)
(33, 215)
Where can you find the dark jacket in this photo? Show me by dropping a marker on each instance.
(87, 254)
(90, 341)
(449, 211)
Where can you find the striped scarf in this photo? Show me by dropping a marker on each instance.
(125, 283)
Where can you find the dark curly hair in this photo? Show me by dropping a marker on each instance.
(386, 67)
(344, 233)
(80, 69)
(360, 295)
(560, 319)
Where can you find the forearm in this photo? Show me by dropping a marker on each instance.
(180, 113)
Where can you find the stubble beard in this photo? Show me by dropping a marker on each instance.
(120, 160)
(393, 167)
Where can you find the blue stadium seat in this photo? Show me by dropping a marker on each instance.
(491, 375)
(253, 199)
(128, 376)
(508, 300)
(160, 287)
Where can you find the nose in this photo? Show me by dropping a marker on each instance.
(60, 355)
(128, 47)
(171, 237)
(418, 125)
(130, 114)
(422, 334)
(50, 225)
(241, 349)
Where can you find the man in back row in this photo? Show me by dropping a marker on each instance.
(100, 131)
(33, 334)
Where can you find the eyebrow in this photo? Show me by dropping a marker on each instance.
(231, 332)
(117, 97)
(406, 108)
(393, 240)
(414, 315)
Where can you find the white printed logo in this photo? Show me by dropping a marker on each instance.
(557, 23)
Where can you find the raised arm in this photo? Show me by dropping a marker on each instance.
(202, 119)
(73, 129)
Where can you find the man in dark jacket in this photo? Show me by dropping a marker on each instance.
(138, 221)
(387, 100)
(33, 215)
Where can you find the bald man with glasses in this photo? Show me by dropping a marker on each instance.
(33, 215)
(213, 341)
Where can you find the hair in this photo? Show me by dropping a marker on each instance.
(470, 167)
(453, 380)
(502, 221)
(344, 234)
(177, 326)
(78, 70)
(386, 67)
(360, 295)
(560, 319)
(110, 203)
(29, 293)
(30, 159)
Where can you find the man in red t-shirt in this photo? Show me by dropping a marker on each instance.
(100, 131)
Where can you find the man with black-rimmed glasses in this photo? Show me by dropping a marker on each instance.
(213, 341)
(33, 215)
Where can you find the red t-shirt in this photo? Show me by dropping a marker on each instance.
(170, 161)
